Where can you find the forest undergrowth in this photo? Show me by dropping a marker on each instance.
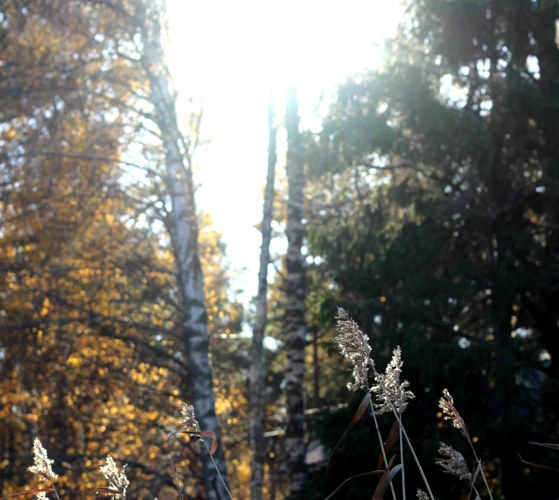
(388, 393)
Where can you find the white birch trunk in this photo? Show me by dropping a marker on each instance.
(256, 400)
(295, 328)
(185, 245)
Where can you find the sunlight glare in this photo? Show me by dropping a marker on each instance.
(232, 54)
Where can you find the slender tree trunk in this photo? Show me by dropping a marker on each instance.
(295, 328)
(547, 51)
(185, 242)
(256, 423)
(316, 369)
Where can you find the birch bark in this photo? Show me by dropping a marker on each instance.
(256, 399)
(294, 325)
(185, 245)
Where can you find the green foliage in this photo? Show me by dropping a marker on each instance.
(432, 218)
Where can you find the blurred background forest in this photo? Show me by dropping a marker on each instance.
(422, 196)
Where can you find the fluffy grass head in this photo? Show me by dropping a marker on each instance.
(354, 346)
(117, 479)
(446, 404)
(391, 394)
(453, 462)
(43, 465)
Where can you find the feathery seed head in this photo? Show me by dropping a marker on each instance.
(117, 480)
(43, 466)
(390, 392)
(354, 346)
(446, 404)
(454, 462)
(41, 495)
(188, 420)
(421, 495)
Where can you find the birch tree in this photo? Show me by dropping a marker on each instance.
(294, 325)
(146, 54)
(185, 243)
(103, 80)
(82, 302)
(257, 367)
(184, 235)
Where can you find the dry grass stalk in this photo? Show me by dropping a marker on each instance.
(177, 481)
(354, 346)
(43, 467)
(188, 421)
(190, 425)
(393, 395)
(117, 479)
(118, 482)
(446, 404)
(453, 463)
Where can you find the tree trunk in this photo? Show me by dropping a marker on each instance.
(256, 423)
(316, 369)
(547, 51)
(185, 245)
(295, 328)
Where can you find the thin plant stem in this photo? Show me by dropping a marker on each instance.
(402, 462)
(381, 446)
(474, 490)
(472, 487)
(55, 490)
(218, 473)
(403, 430)
(480, 469)
(175, 477)
(417, 461)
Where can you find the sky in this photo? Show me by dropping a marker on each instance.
(231, 54)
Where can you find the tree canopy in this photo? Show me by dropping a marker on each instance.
(424, 201)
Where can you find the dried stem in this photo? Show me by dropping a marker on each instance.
(473, 488)
(407, 439)
(480, 468)
(416, 460)
(381, 445)
(217, 469)
(402, 462)
(446, 404)
(55, 490)
(175, 477)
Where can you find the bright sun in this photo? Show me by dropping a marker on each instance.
(232, 54)
(238, 46)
